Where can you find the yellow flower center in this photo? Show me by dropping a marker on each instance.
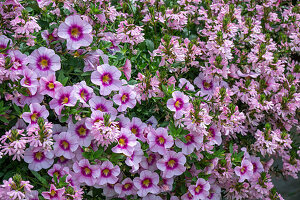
(207, 85)
(134, 131)
(121, 142)
(127, 185)
(198, 188)
(38, 155)
(65, 144)
(34, 117)
(106, 79)
(82, 131)
(87, 171)
(171, 163)
(75, 32)
(56, 174)
(177, 104)
(65, 100)
(53, 193)
(124, 97)
(106, 171)
(161, 140)
(82, 94)
(51, 85)
(188, 138)
(146, 182)
(44, 63)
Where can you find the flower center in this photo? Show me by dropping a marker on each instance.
(101, 108)
(27, 81)
(53, 193)
(51, 85)
(82, 131)
(65, 100)
(211, 133)
(198, 189)
(188, 138)
(161, 140)
(124, 98)
(171, 163)
(82, 94)
(207, 85)
(50, 37)
(127, 186)
(44, 63)
(106, 172)
(75, 32)
(56, 173)
(39, 155)
(34, 117)
(122, 142)
(65, 145)
(87, 171)
(134, 130)
(243, 169)
(146, 182)
(106, 79)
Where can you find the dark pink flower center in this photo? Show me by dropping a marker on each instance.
(146, 182)
(123, 142)
(160, 140)
(84, 94)
(65, 145)
(124, 98)
(43, 63)
(82, 131)
(243, 170)
(198, 189)
(101, 107)
(86, 171)
(39, 156)
(127, 186)
(106, 172)
(172, 163)
(75, 32)
(207, 85)
(106, 79)
(64, 99)
(178, 104)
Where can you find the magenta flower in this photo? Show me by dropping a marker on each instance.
(179, 103)
(36, 111)
(30, 81)
(159, 140)
(245, 171)
(65, 145)
(200, 190)
(83, 93)
(76, 31)
(80, 132)
(214, 135)
(63, 97)
(135, 158)
(125, 98)
(126, 143)
(125, 188)
(107, 77)
(127, 69)
(96, 116)
(137, 127)
(58, 170)
(38, 158)
(54, 194)
(19, 61)
(186, 84)
(172, 164)
(150, 162)
(100, 103)
(146, 183)
(44, 61)
(108, 173)
(49, 85)
(193, 140)
(85, 172)
(206, 85)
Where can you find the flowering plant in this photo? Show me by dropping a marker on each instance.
(149, 99)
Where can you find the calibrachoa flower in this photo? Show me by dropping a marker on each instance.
(214, 135)
(107, 77)
(193, 140)
(76, 31)
(36, 111)
(200, 190)
(126, 142)
(49, 85)
(146, 183)
(125, 98)
(245, 171)
(103, 105)
(85, 172)
(137, 127)
(19, 61)
(65, 145)
(207, 86)
(160, 141)
(54, 193)
(81, 133)
(125, 188)
(63, 97)
(135, 158)
(38, 158)
(44, 61)
(178, 103)
(83, 93)
(108, 173)
(30, 81)
(172, 164)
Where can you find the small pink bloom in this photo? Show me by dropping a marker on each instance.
(54, 194)
(245, 171)
(125, 188)
(103, 105)
(63, 97)
(179, 103)
(200, 190)
(36, 111)
(146, 183)
(125, 98)
(126, 143)
(83, 93)
(65, 145)
(159, 140)
(193, 140)
(172, 164)
(49, 85)
(137, 127)
(85, 172)
(108, 173)
(81, 133)
(127, 69)
(30, 81)
(38, 158)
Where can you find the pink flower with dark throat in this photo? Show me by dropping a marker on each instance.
(38, 158)
(146, 183)
(200, 190)
(65, 145)
(63, 97)
(159, 140)
(172, 164)
(36, 111)
(85, 172)
(125, 98)
(245, 171)
(108, 173)
(76, 31)
(179, 103)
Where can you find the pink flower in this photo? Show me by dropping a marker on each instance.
(159, 140)
(137, 128)
(186, 84)
(83, 93)
(127, 69)
(38, 158)
(172, 164)
(245, 171)
(65, 145)
(18, 59)
(126, 143)
(4, 41)
(63, 97)
(49, 85)
(92, 60)
(76, 31)
(44, 61)
(206, 85)
(125, 98)
(96, 116)
(125, 188)
(135, 158)
(193, 140)
(107, 77)
(146, 183)
(58, 170)
(108, 173)
(200, 190)
(149, 163)
(36, 111)
(54, 194)
(81, 133)
(85, 172)
(30, 81)
(214, 135)
(179, 103)
(103, 105)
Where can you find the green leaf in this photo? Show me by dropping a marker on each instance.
(64, 118)
(40, 178)
(3, 119)
(150, 45)
(17, 109)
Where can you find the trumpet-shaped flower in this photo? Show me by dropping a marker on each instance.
(108, 173)
(172, 164)
(146, 183)
(65, 145)
(178, 103)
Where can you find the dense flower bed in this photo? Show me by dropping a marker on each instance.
(149, 99)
